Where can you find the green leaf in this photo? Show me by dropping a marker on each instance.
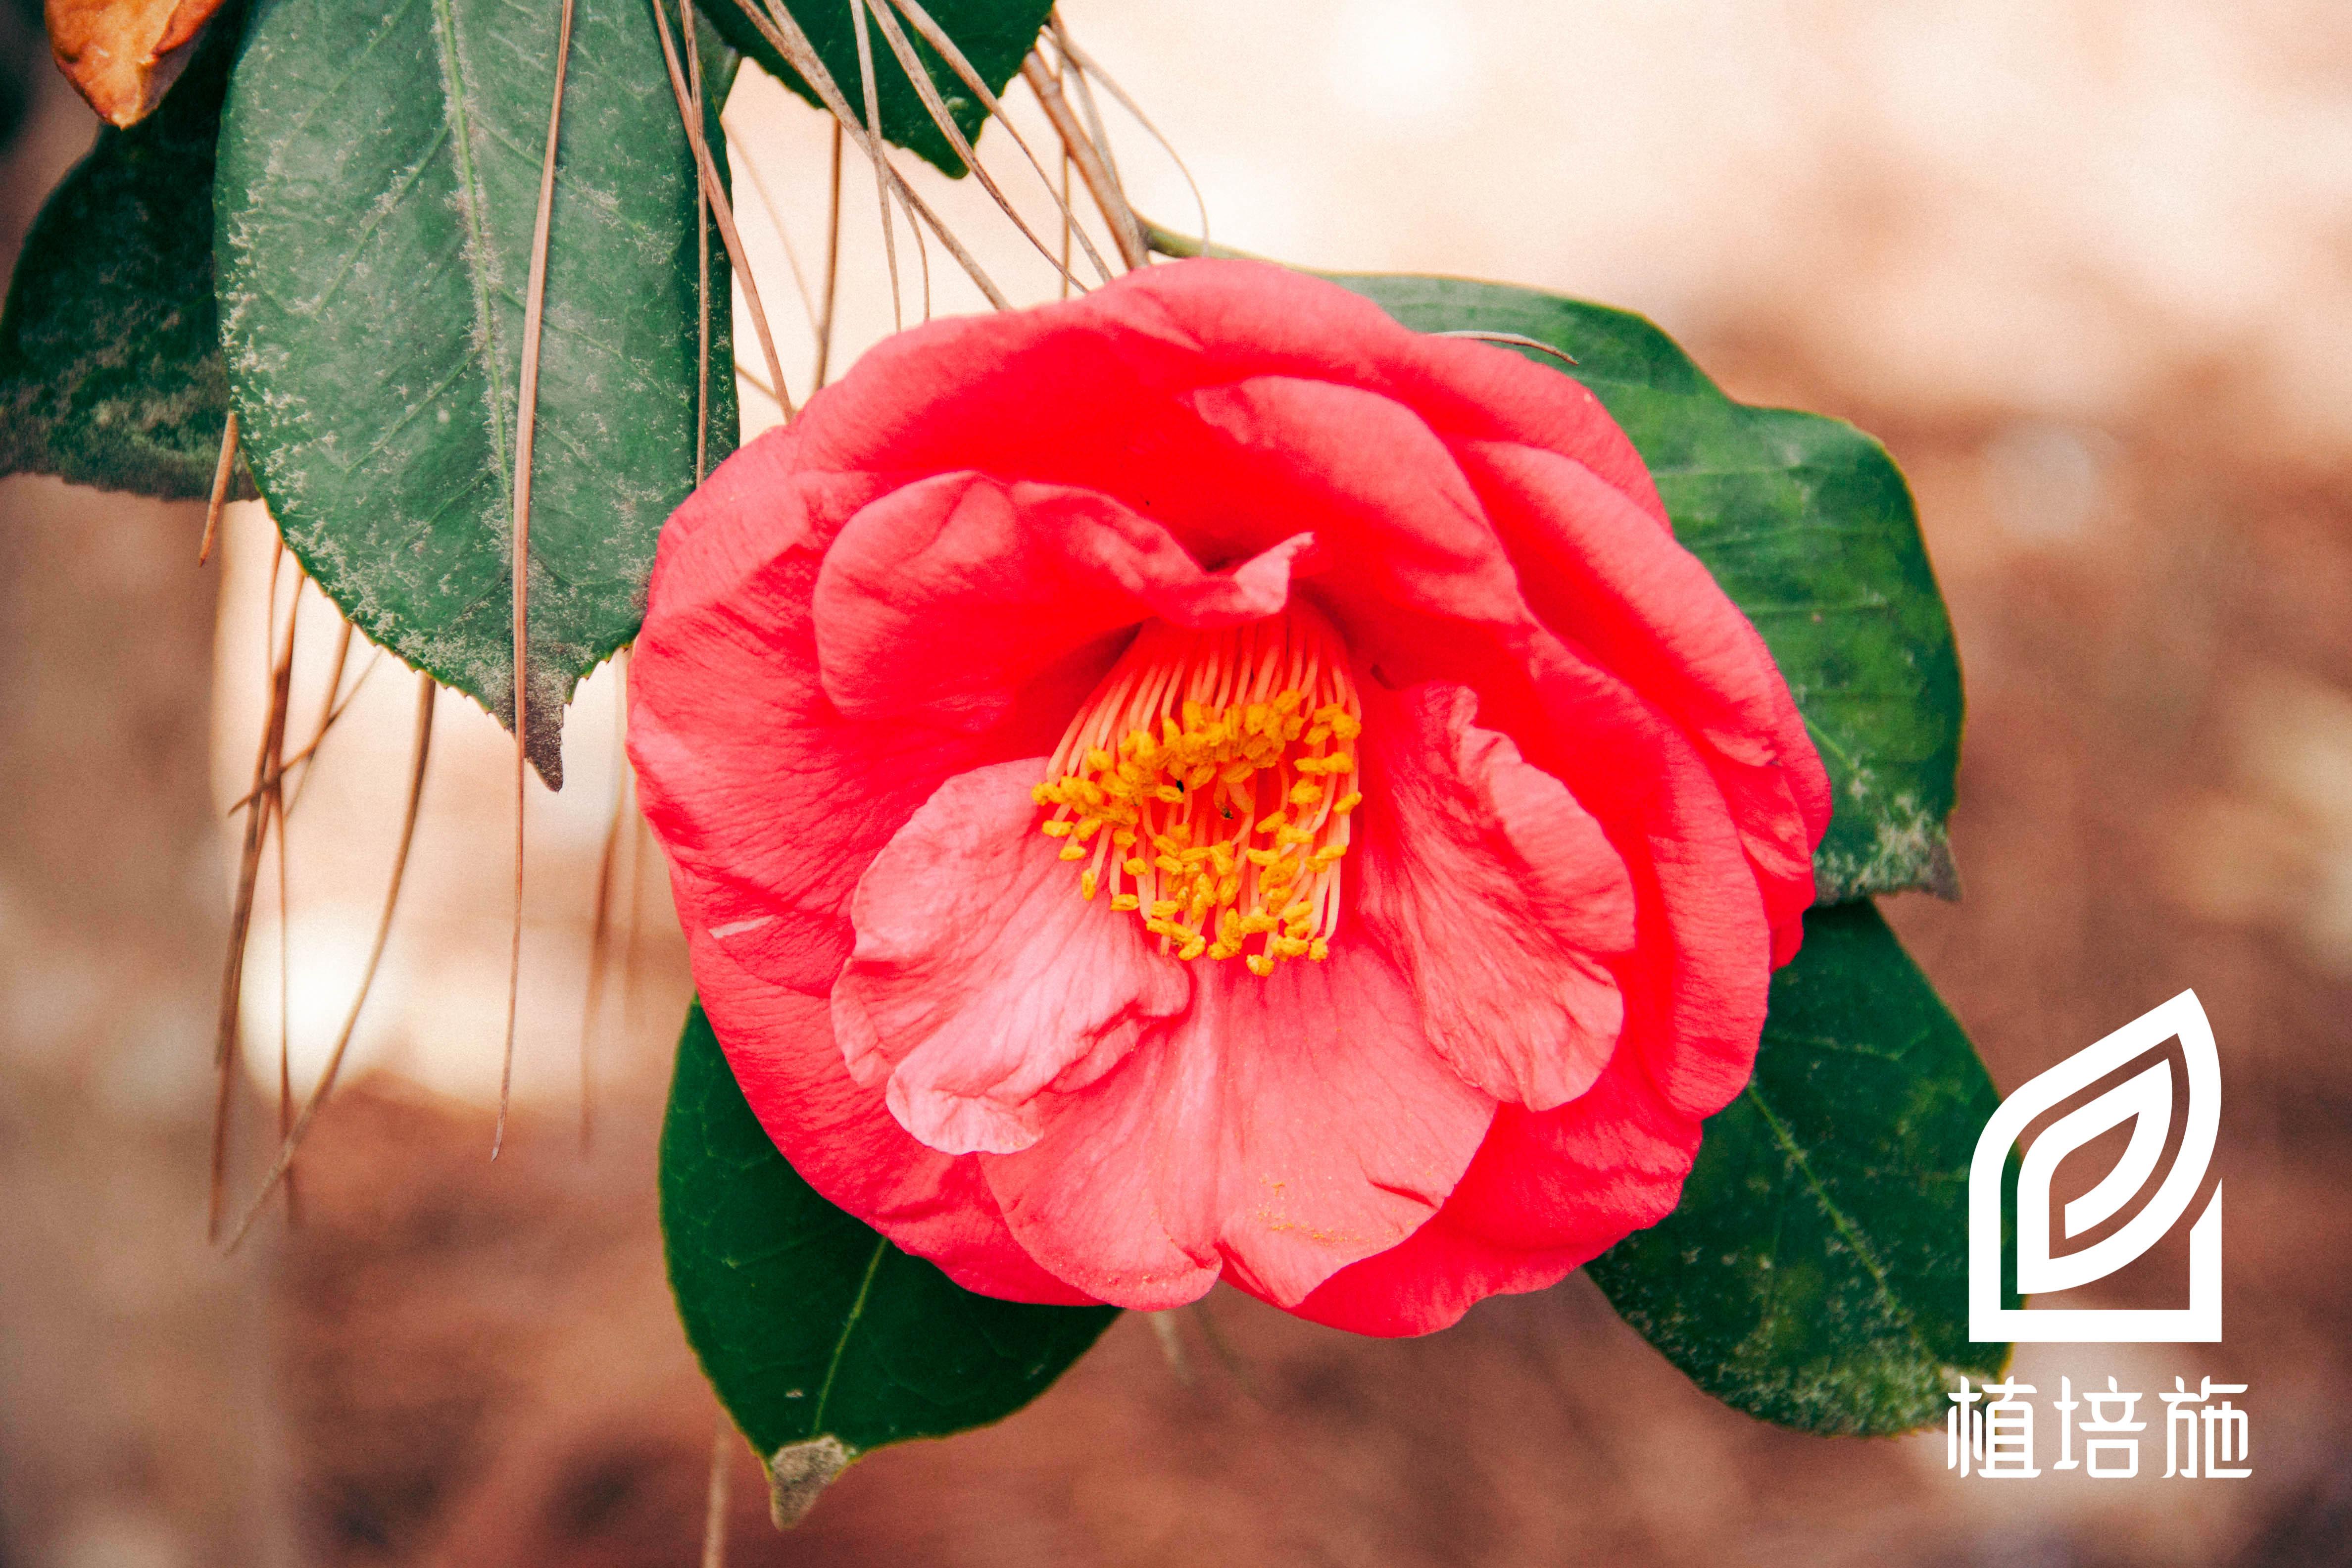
(994, 35)
(110, 356)
(1807, 525)
(378, 183)
(823, 1339)
(1815, 1273)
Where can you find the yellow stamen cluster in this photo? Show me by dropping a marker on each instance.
(1208, 785)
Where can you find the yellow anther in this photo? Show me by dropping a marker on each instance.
(1318, 950)
(1185, 760)
(1346, 804)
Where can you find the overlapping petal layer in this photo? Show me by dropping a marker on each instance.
(1588, 804)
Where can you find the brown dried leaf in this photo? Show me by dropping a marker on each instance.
(123, 56)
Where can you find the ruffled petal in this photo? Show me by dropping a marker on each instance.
(981, 977)
(1607, 1164)
(1496, 894)
(843, 1143)
(1644, 606)
(948, 597)
(1279, 1130)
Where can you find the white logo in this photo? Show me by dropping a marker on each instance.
(2145, 1100)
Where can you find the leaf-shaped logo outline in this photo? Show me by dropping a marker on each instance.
(2147, 1098)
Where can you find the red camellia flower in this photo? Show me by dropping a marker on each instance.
(1202, 782)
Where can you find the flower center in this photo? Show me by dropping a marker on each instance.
(1206, 783)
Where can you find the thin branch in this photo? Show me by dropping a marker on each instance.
(745, 373)
(257, 828)
(689, 114)
(936, 107)
(937, 36)
(1100, 183)
(306, 753)
(327, 709)
(775, 24)
(1513, 340)
(703, 265)
(422, 755)
(714, 1508)
(832, 268)
(881, 185)
(740, 150)
(1090, 70)
(534, 317)
(600, 926)
(221, 472)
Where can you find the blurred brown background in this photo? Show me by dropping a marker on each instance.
(2087, 266)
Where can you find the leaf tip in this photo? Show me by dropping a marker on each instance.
(798, 1474)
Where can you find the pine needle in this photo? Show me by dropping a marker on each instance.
(534, 317)
(258, 813)
(1100, 183)
(422, 755)
(690, 115)
(225, 467)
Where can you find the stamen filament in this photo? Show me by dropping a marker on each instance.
(1203, 755)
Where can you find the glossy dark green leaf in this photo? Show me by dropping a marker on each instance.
(994, 35)
(378, 183)
(823, 1339)
(1810, 527)
(1816, 1272)
(110, 355)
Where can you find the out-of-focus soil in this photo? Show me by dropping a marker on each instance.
(448, 1361)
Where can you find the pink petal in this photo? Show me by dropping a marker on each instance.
(843, 1143)
(1279, 1130)
(1592, 561)
(980, 976)
(1496, 893)
(948, 597)
(1610, 1163)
